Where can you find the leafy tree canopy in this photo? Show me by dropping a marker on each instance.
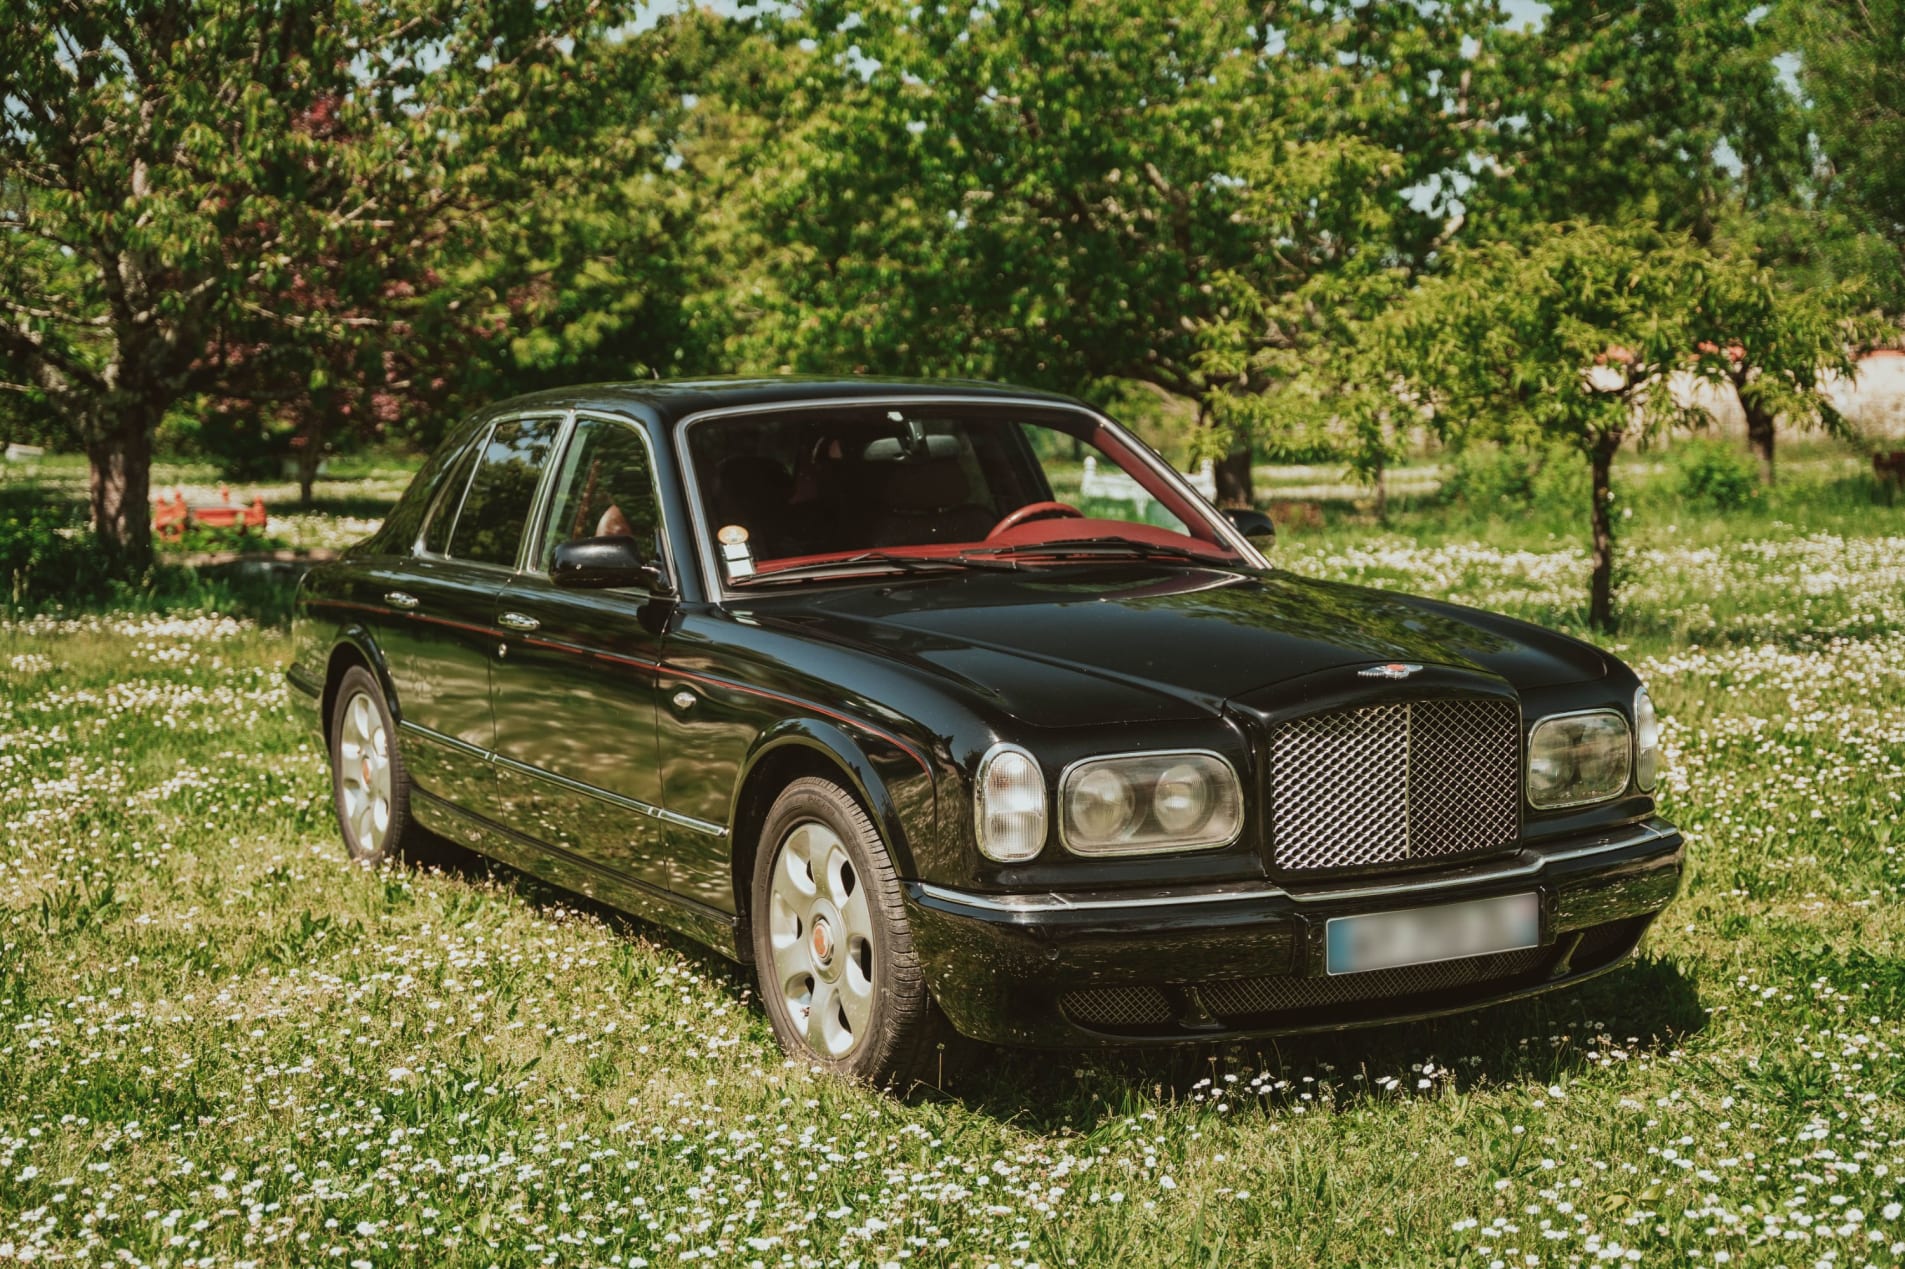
(216, 194)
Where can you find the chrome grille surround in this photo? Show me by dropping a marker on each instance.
(1391, 783)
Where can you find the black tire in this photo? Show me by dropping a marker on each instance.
(393, 835)
(900, 1042)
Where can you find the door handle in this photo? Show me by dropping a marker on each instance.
(517, 621)
(400, 599)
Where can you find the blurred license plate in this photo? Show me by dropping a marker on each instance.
(1420, 936)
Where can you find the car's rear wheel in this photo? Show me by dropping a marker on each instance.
(841, 982)
(369, 785)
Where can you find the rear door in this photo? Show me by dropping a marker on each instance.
(575, 696)
(441, 651)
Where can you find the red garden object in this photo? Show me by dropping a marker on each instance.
(171, 519)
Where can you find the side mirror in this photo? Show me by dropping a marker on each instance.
(1253, 524)
(607, 564)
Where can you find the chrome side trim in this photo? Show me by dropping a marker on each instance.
(1507, 870)
(1533, 863)
(1643, 833)
(1054, 902)
(613, 799)
(448, 742)
(574, 786)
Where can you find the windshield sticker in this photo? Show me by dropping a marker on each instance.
(736, 555)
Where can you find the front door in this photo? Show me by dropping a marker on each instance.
(443, 638)
(575, 696)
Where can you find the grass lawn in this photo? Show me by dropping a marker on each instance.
(220, 1042)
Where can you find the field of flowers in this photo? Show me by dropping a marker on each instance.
(221, 1043)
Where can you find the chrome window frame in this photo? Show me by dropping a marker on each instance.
(478, 441)
(1164, 848)
(563, 417)
(526, 564)
(717, 588)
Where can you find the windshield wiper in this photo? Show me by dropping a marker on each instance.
(1093, 547)
(883, 559)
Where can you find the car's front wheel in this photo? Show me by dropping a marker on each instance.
(841, 982)
(369, 785)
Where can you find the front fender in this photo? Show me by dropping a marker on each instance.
(356, 642)
(889, 780)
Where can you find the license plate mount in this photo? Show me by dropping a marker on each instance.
(1425, 936)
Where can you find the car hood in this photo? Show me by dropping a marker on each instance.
(1177, 641)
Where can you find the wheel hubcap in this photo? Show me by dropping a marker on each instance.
(363, 768)
(821, 932)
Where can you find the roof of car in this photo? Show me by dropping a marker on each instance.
(670, 399)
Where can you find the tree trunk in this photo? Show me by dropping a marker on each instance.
(1759, 435)
(1601, 583)
(121, 493)
(310, 455)
(1234, 487)
(1382, 492)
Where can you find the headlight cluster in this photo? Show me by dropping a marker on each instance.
(1138, 803)
(1575, 759)
(1131, 804)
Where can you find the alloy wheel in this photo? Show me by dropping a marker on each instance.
(363, 772)
(821, 933)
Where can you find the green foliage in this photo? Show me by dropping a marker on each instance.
(1129, 189)
(262, 206)
(1567, 337)
(1851, 70)
(1508, 479)
(1713, 474)
(1664, 110)
(45, 552)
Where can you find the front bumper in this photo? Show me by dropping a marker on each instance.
(1205, 963)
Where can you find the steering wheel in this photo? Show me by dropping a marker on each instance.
(1035, 511)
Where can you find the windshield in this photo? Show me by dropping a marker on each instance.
(879, 488)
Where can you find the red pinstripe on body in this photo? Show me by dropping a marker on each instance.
(653, 667)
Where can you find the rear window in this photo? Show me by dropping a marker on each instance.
(489, 528)
(449, 497)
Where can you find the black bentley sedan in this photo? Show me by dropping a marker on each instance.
(953, 704)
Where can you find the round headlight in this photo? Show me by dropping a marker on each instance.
(1646, 741)
(1009, 806)
(1182, 798)
(1102, 805)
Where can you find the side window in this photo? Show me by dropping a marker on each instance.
(606, 489)
(449, 496)
(490, 526)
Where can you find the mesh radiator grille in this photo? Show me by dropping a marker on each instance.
(1388, 783)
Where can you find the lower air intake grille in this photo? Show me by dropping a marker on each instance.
(1117, 1008)
(1242, 998)
(1393, 783)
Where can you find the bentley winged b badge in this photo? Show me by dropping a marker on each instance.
(1393, 670)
